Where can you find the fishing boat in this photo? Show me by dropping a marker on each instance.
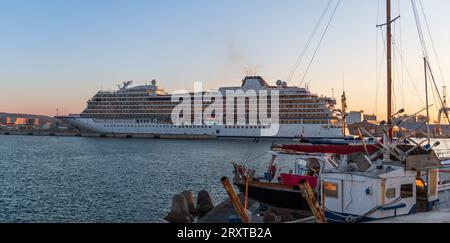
(402, 179)
(362, 181)
(278, 187)
(292, 163)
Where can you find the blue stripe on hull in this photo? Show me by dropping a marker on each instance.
(340, 218)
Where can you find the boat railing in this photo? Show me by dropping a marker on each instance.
(443, 154)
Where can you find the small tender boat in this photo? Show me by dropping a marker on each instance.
(348, 140)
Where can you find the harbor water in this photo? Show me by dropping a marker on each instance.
(76, 179)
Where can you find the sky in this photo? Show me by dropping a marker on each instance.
(57, 54)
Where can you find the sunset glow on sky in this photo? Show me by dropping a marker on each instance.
(57, 54)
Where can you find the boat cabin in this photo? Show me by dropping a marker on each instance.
(385, 190)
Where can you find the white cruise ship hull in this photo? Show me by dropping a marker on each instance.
(134, 128)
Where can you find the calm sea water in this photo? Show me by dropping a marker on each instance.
(65, 179)
(57, 179)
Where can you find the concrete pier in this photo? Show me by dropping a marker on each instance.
(48, 133)
(223, 212)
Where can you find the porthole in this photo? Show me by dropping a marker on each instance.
(391, 193)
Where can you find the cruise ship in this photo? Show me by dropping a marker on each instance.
(146, 111)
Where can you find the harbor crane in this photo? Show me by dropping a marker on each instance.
(443, 112)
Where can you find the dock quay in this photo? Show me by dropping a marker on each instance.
(225, 213)
(47, 133)
(40, 133)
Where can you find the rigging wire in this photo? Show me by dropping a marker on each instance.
(432, 42)
(425, 53)
(380, 69)
(395, 74)
(400, 33)
(377, 79)
(411, 79)
(419, 29)
(383, 36)
(306, 47)
(320, 41)
(258, 157)
(437, 60)
(439, 95)
(434, 97)
(394, 97)
(401, 86)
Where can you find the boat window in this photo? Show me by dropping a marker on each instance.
(330, 189)
(406, 191)
(391, 193)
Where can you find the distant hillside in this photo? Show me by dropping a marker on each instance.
(43, 119)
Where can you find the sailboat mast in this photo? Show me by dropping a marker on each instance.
(389, 65)
(344, 113)
(425, 62)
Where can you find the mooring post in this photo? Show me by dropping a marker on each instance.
(308, 194)
(235, 201)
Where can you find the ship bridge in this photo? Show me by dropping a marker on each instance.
(151, 89)
(258, 83)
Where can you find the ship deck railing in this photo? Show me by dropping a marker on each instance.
(443, 154)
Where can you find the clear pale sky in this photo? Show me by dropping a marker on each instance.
(58, 54)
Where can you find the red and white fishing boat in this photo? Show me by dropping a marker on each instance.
(278, 187)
